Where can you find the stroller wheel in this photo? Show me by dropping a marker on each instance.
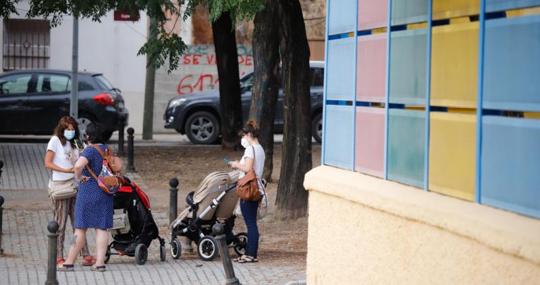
(207, 248)
(240, 243)
(141, 254)
(176, 249)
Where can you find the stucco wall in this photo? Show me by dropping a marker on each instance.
(364, 230)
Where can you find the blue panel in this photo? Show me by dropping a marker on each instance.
(339, 134)
(512, 64)
(408, 67)
(511, 164)
(409, 11)
(341, 69)
(342, 16)
(501, 5)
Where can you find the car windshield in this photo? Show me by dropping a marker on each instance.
(103, 82)
(246, 81)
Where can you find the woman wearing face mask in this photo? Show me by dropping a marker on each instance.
(253, 158)
(62, 153)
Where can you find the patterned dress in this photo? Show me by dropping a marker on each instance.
(93, 207)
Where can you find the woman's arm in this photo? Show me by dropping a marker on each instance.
(49, 156)
(245, 167)
(79, 166)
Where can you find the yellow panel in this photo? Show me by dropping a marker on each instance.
(523, 12)
(454, 65)
(443, 9)
(452, 154)
(531, 115)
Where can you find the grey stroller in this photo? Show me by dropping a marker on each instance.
(213, 202)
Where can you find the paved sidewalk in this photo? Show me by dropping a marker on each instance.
(25, 245)
(23, 166)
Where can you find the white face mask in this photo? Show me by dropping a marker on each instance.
(244, 142)
(69, 134)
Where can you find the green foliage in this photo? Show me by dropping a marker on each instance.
(238, 9)
(8, 7)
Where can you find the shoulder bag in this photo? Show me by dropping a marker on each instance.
(107, 179)
(60, 190)
(247, 187)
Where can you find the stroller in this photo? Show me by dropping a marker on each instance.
(213, 202)
(134, 227)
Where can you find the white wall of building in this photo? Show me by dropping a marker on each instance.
(109, 47)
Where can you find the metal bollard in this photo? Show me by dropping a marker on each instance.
(131, 166)
(121, 140)
(219, 232)
(173, 199)
(52, 227)
(1, 219)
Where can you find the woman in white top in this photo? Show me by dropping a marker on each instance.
(62, 153)
(253, 158)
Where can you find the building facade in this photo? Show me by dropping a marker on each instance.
(431, 149)
(109, 47)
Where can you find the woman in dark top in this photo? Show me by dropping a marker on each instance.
(93, 207)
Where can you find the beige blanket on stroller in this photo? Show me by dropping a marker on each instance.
(209, 189)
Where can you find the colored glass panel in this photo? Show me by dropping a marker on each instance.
(406, 146)
(512, 64)
(454, 69)
(501, 5)
(371, 68)
(452, 154)
(339, 139)
(370, 140)
(372, 14)
(341, 69)
(408, 67)
(342, 16)
(443, 9)
(511, 164)
(409, 11)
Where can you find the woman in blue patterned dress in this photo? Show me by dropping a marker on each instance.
(93, 207)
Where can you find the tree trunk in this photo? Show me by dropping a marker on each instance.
(229, 80)
(149, 86)
(291, 197)
(266, 80)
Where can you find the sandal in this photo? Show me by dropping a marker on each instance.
(60, 261)
(65, 267)
(100, 268)
(247, 259)
(88, 261)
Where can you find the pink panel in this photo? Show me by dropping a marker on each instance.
(372, 14)
(371, 68)
(369, 145)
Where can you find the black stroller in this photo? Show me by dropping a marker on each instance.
(213, 202)
(134, 227)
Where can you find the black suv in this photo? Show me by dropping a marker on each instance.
(32, 102)
(198, 114)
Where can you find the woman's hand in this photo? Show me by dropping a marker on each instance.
(234, 164)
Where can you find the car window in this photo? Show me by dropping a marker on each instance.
(317, 77)
(83, 86)
(14, 84)
(246, 81)
(103, 82)
(52, 83)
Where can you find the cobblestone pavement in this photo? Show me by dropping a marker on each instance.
(25, 246)
(23, 166)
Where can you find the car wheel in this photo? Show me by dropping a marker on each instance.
(202, 128)
(83, 123)
(316, 128)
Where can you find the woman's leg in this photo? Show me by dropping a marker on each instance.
(79, 239)
(102, 242)
(249, 212)
(61, 212)
(85, 251)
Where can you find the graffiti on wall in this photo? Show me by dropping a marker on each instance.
(198, 70)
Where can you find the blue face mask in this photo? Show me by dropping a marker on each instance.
(69, 134)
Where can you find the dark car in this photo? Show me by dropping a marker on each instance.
(32, 102)
(198, 115)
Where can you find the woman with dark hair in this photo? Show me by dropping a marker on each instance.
(253, 158)
(62, 153)
(94, 207)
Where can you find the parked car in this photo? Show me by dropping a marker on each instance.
(32, 102)
(198, 115)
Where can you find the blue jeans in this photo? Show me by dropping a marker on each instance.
(249, 212)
